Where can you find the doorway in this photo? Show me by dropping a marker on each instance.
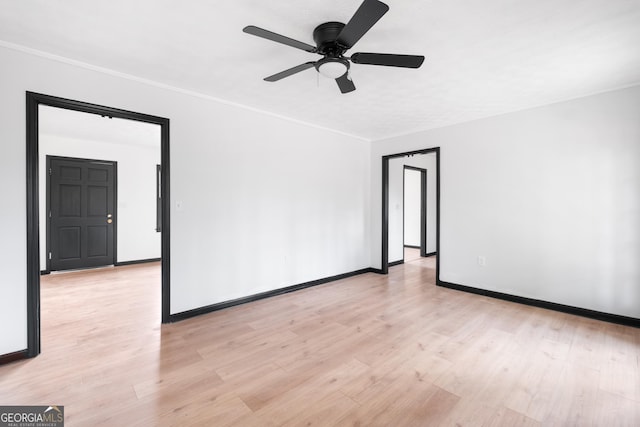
(81, 213)
(414, 208)
(34, 101)
(390, 201)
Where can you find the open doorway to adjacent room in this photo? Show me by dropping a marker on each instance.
(98, 204)
(97, 211)
(410, 207)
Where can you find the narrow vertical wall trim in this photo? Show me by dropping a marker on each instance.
(437, 151)
(47, 239)
(34, 100)
(423, 206)
(33, 237)
(384, 266)
(166, 212)
(404, 208)
(423, 213)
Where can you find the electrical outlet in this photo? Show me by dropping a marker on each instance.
(482, 261)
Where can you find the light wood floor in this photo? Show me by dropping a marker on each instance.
(411, 254)
(371, 350)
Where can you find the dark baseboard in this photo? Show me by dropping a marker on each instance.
(412, 246)
(431, 254)
(44, 272)
(137, 261)
(255, 297)
(391, 264)
(376, 270)
(592, 314)
(12, 357)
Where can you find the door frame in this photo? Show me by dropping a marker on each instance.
(384, 266)
(48, 159)
(423, 206)
(33, 101)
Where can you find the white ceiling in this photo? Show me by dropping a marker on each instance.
(482, 57)
(92, 127)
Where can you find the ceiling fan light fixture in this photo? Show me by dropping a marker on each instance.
(332, 67)
(332, 40)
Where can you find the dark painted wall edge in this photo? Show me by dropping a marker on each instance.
(12, 357)
(255, 297)
(592, 314)
(137, 261)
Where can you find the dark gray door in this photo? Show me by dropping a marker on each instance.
(81, 213)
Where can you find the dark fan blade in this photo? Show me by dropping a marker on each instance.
(266, 34)
(369, 12)
(345, 84)
(388, 59)
(290, 71)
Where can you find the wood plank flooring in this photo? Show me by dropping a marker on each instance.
(370, 350)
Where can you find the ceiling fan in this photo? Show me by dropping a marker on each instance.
(333, 39)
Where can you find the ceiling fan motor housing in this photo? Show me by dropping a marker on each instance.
(326, 35)
(332, 40)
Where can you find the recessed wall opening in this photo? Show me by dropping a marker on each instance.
(98, 190)
(414, 210)
(87, 201)
(402, 191)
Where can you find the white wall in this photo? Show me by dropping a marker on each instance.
(428, 161)
(137, 238)
(396, 213)
(396, 246)
(412, 207)
(266, 202)
(550, 196)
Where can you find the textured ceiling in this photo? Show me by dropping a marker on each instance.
(482, 57)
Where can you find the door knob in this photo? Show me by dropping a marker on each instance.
(109, 215)
(109, 221)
